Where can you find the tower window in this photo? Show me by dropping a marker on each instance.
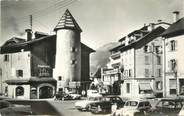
(73, 49)
(59, 78)
(19, 73)
(73, 62)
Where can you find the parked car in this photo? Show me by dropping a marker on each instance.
(106, 104)
(62, 96)
(168, 107)
(134, 108)
(181, 113)
(93, 93)
(74, 95)
(8, 109)
(85, 104)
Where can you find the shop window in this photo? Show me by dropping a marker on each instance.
(172, 86)
(6, 57)
(19, 91)
(145, 88)
(19, 73)
(128, 87)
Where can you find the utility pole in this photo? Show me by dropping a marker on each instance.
(31, 21)
(1, 80)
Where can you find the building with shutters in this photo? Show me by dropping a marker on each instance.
(173, 57)
(137, 62)
(38, 67)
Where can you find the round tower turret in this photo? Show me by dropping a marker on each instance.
(68, 51)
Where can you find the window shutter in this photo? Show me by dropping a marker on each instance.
(169, 65)
(176, 45)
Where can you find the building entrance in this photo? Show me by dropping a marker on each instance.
(45, 92)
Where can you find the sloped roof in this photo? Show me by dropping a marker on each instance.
(153, 34)
(67, 21)
(16, 47)
(14, 40)
(175, 29)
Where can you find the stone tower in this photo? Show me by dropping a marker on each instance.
(68, 50)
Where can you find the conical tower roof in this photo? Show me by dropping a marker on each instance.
(67, 21)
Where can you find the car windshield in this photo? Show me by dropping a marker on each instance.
(131, 103)
(106, 99)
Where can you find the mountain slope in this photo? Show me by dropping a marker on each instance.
(101, 57)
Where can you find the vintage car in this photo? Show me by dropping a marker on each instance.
(85, 104)
(74, 95)
(138, 107)
(62, 96)
(168, 107)
(106, 104)
(181, 113)
(8, 109)
(93, 93)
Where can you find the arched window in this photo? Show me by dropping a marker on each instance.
(19, 91)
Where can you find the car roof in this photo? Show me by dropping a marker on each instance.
(138, 100)
(172, 99)
(111, 96)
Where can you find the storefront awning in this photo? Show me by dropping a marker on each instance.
(144, 86)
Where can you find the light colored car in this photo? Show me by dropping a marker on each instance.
(85, 104)
(134, 108)
(75, 95)
(93, 93)
(181, 113)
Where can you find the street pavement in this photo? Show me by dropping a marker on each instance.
(59, 108)
(67, 108)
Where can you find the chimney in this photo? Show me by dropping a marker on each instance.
(151, 27)
(176, 15)
(29, 34)
(159, 21)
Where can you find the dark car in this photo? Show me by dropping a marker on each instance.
(106, 104)
(168, 107)
(62, 96)
(9, 109)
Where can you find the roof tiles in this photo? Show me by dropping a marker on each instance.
(67, 21)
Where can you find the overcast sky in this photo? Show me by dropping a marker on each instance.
(102, 21)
